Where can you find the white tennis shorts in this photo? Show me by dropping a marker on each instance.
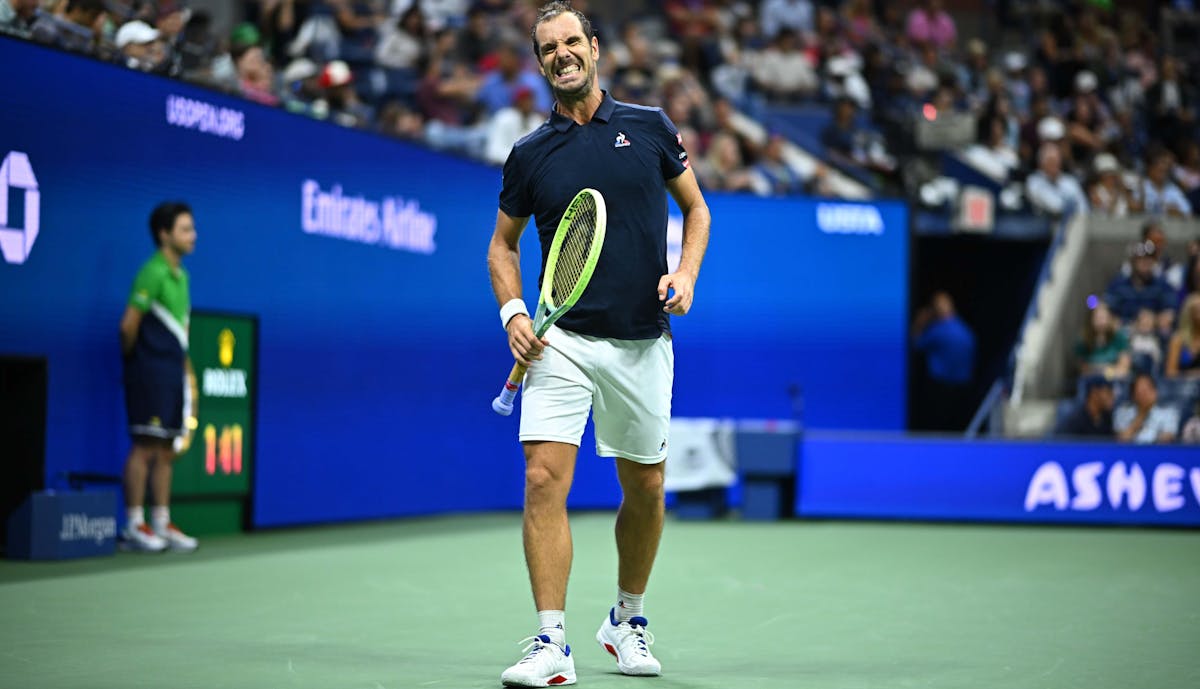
(626, 384)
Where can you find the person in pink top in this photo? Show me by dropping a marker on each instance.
(929, 23)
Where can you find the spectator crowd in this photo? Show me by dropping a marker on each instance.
(1142, 338)
(1086, 106)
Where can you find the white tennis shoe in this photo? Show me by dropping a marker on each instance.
(629, 642)
(177, 540)
(546, 664)
(142, 538)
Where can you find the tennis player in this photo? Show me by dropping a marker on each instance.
(611, 353)
(160, 387)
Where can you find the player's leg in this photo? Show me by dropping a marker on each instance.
(549, 469)
(177, 397)
(639, 524)
(137, 534)
(633, 408)
(554, 410)
(141, 408)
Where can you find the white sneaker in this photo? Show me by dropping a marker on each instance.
(176, 539)
(629, 642)
(143, 538)
(545, 664)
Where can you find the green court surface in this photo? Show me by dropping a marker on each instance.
(442, 602)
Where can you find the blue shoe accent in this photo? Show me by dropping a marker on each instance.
(612, 616)
(638, 621)
(544, 639)
(566, 650)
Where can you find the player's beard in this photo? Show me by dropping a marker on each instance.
(579, 92)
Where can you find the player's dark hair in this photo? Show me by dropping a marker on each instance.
(163, 217)
(551, 10)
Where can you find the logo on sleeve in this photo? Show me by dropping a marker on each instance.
(621, 141)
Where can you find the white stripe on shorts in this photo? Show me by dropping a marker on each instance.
(625, 383)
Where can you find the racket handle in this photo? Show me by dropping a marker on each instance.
(503, 404)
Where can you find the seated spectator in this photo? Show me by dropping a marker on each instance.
(402, 42)
(1191, 428)
(783, 71)
(1187, 170)
(840, 135)
(359, 22)
(796, 15)
(510, 124)
(18, 17)
(993, 155)
(1183, 351)
(75, 30)
(342, 101)
(1156, 194)
(398, 119)
(779, 178)
(858, 17)
(1170, 103)
(1142, 289)
(511, 74)
(1165, 268)
(1052, 191)
(721, 168)
(1107, 192)
(1142, 420)
(256, 76)
(141, 46)
(1104, 348)
(1093, 418)
(929, 24)
(1145, 344)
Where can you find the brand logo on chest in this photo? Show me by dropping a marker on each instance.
(622, 141)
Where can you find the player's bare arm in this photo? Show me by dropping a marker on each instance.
(696, 222)
(504, 266)
(130, 322)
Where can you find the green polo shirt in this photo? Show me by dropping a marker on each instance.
(163, 291)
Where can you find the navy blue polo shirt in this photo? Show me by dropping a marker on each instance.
(627, 153)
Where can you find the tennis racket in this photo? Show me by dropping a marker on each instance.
(569, 267)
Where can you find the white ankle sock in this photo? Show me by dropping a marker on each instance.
(136, 516)
(159, 517)
(553, 624)
(628, 605)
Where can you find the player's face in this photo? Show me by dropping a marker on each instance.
(567, 58)
(182, 237)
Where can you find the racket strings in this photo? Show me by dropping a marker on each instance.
(573, 254)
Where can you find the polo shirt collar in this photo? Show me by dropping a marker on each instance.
(603, 113)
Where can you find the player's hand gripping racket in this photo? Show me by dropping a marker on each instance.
(569, 267)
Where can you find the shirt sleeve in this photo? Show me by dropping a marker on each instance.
(1123, 417)
(514, 189)
(674, 158)
(146, 288)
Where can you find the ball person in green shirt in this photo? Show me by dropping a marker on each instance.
(160, 386)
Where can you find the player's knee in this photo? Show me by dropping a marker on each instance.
(645, 484)
(542, 480)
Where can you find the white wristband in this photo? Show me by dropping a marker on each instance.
(511, 308)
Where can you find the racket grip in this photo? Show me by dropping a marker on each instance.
(503, 404)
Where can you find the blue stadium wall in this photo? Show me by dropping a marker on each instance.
(380, 349)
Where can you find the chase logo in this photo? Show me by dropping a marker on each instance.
(848, 218)
(17, 237)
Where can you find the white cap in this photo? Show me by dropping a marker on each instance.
(137, 31)
(1085, 82)
(1015, 61)
(1050, 129)
(1106, 162)
(300, 68)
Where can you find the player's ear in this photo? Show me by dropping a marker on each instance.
(595, 49)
